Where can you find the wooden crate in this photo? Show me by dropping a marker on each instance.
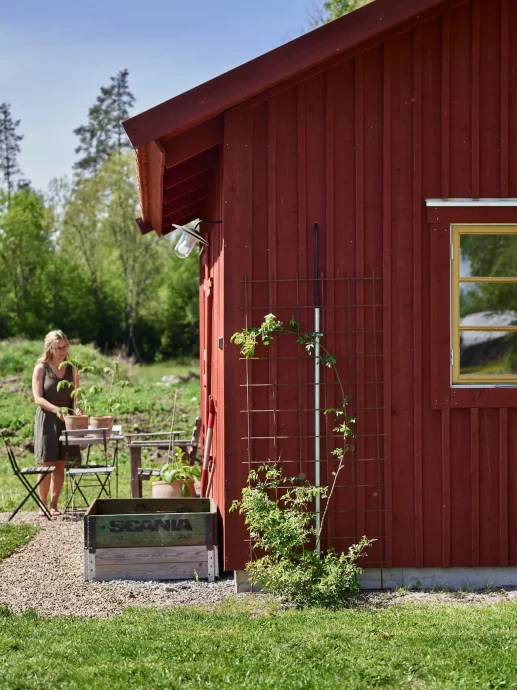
(151, 539)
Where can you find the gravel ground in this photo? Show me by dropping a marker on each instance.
(47, 575)
(439, 598)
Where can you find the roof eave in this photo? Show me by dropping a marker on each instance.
(203, 102)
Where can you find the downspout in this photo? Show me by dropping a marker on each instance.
(317, 445)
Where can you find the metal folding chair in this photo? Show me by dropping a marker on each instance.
(87, 475)
(32, 489)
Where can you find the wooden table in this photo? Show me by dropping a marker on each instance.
(136, 442)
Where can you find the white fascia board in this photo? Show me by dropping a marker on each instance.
(470, 202)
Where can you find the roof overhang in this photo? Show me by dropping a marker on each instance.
(178, 142)
(175, 176)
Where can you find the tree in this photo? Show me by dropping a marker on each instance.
(9, 148)
(70, 294)
(137, 257)
(82, 242)
(25, 250)
(179, 306)
(104, 135)
(120, 102)
(99, 232)
(333, 9)
(494, 256)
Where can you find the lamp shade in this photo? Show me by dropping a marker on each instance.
(185, 245)
(187, 241)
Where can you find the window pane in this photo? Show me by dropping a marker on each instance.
(488, 353)
(488, 256)
(488, 304)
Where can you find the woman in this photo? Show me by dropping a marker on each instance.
(49, 424)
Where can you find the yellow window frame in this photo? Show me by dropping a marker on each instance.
(456, 232)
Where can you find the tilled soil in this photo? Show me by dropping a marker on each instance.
(47, 575)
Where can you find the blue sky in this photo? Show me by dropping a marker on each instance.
(55, 55)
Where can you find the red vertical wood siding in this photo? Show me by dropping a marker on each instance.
(358, 147)
(434, 94)
(211, 320)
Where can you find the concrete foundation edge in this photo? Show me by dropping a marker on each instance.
(419, 578)
(242, 584)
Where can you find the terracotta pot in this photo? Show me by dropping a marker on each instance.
(76, 421)
(105, 422)
(164, 490)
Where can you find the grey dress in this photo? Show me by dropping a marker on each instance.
(47, 426)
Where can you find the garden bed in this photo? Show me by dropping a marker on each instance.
(151, 539)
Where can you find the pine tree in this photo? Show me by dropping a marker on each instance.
(120, 101)
(9, 148)
(104, 135)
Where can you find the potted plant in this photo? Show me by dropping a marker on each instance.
(176, 477)
(80, 396)
(106, 420)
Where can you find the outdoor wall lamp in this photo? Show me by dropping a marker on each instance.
(190, 237)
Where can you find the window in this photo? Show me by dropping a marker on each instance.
(484, 304)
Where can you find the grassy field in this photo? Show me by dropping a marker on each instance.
(153, 373)
(146, 405)
(400, 647)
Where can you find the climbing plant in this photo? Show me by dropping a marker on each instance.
(249, 338)
(277, 509)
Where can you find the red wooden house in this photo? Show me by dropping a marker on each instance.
(394, 128)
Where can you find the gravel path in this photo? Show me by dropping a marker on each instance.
(439, 598)
(47, 575)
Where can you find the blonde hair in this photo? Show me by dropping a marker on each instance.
(50, 339)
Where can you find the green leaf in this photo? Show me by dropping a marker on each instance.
(169, 476)
(64, 384)
(293, 324)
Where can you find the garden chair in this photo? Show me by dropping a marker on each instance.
(87, 475)
(160, 440)
(32, 489)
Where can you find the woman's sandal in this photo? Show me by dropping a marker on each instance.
(55, 512)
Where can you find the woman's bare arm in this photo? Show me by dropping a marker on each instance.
(37, 390)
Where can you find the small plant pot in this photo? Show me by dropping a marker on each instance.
(105, 422)
(164, 490)
(76, 421)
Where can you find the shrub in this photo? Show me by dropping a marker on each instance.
(281, 528)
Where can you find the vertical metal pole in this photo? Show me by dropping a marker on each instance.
(317, 467)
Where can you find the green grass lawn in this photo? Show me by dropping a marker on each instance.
(401, 647)
(13, 536)
(152, 373)
(145, 406)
